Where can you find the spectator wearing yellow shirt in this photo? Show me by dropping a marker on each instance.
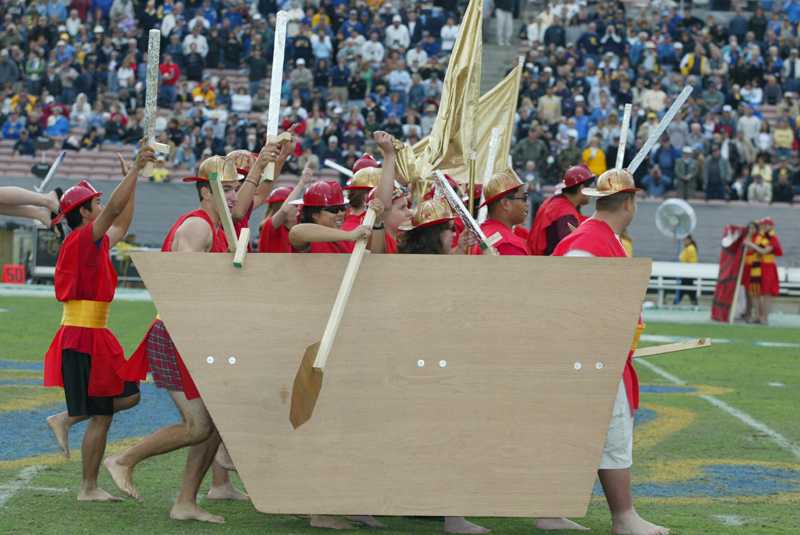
(783, 140)
(687, 256)
(550, 106)
(594, 157)
(206, 91)
(761, 167)
(160, 173)
(24, 100)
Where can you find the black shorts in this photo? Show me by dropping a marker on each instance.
(75, 370)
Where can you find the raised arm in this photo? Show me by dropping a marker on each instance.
(385, 186)
(306, 178)
(112, 214)
(285, 152)
(252, 183)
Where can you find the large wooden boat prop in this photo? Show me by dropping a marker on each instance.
(474, 386)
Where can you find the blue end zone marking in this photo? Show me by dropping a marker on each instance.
(658, 389)
(21, 365)
(642, 416)
(31, 437)
(723, 481)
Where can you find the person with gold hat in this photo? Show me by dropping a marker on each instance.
(84, 356)
(558, 212)
(321, 217)
(598, 236)
(507, 201)
(365, 178)
(196, 232)
(766, 245)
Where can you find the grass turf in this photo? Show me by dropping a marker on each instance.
(703, 435)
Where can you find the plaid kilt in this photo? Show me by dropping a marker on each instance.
(162, 357)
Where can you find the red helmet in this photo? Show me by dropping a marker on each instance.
(322, 193)
(75, 196)
(577, 175)
(478, 193)
(364, 162)
(279, 194)
(453, 184)
(767, 221)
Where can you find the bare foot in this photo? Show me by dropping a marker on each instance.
(44, 215)
(55, 204)
(227, 492)
(457, 524)
(330, 521)
(60, 428)
(97, 495)
(367, 520)
(223, 458)
(190, 511)
(547, 524)
(631, 523)
(122, 475)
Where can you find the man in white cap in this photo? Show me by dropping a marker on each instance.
(687, 171)
(615, 208)
(397, 36)
(791, 71)
(301, 79)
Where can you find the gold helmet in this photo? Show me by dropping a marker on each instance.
(224, 167)
(244, 160)
(500, 184)
(429, 213)
(365, 178)
(611, 182)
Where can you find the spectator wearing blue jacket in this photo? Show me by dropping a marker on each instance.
(581, 120)
(738, 25)
(13, 126)
(55, 7)
(24, 146)
(431, 46)
(60, 126)
(665, 157)
(792, 8)
(636, 55)
(340, 79)
(352, 23)
(209, 13)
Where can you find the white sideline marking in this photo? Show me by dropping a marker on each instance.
(776, 384)
(25, 476)
(736, 413)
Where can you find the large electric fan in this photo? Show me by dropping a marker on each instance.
(675, 219)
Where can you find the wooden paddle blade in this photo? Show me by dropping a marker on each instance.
(307, 385)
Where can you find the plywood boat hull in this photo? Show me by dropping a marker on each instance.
(456, 386)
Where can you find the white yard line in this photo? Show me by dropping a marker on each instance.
(25, 476)
(776, 437)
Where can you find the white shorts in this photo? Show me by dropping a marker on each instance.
(618, 453)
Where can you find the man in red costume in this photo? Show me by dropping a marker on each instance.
(85, 356)
(507, 206)
(558, 212)
(769, 248)
(598, 236)
(196, 232)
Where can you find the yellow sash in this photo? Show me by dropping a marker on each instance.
(88, 314)
(639, 329)
(158, 317)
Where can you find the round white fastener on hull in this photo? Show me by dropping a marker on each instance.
(210, 360)
(232, 360)
(577, 365)
(442, 363)
(420, 363)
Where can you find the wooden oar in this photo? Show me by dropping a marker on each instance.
(308, 381)
(671, 348)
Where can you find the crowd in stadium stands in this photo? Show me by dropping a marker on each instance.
(734, 139)
(78, 70)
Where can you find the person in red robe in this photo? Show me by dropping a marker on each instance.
(84, 356)
(766, 246)
(365, 177)
(598, 236)
(198, 231)
(507, 206)
(321, 218)
(558, 212)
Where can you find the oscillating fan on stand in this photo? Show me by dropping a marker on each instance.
(675, 219)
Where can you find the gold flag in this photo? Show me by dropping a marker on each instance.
(497, 109)
(452, 138)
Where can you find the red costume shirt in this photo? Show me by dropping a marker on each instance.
(244, 223)
(509, 245)
(770, 283)
(552, 224)
(274, 240)
(351, 222)
(138, 367)
(84, 273)
(169, 73)
(597, 238)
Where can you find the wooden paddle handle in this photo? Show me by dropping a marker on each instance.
(671, 348)
(341, 298)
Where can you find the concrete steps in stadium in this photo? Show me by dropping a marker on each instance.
(498, 60)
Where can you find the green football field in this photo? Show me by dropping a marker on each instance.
(717, 441)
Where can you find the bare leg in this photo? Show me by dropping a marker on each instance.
(92, 449)
(367, 520)
(197, 464)
(624, 519)
(457, 524)
(766, 306)
(61, 422)
(548, 524)
(756, 299)
(221, 486)
(196, 428)
(39, 213)
(11, 195)
(330, 521)
(223, 458)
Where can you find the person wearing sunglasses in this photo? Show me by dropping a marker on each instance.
(321, 218)
(557, 213)
(507, 205)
